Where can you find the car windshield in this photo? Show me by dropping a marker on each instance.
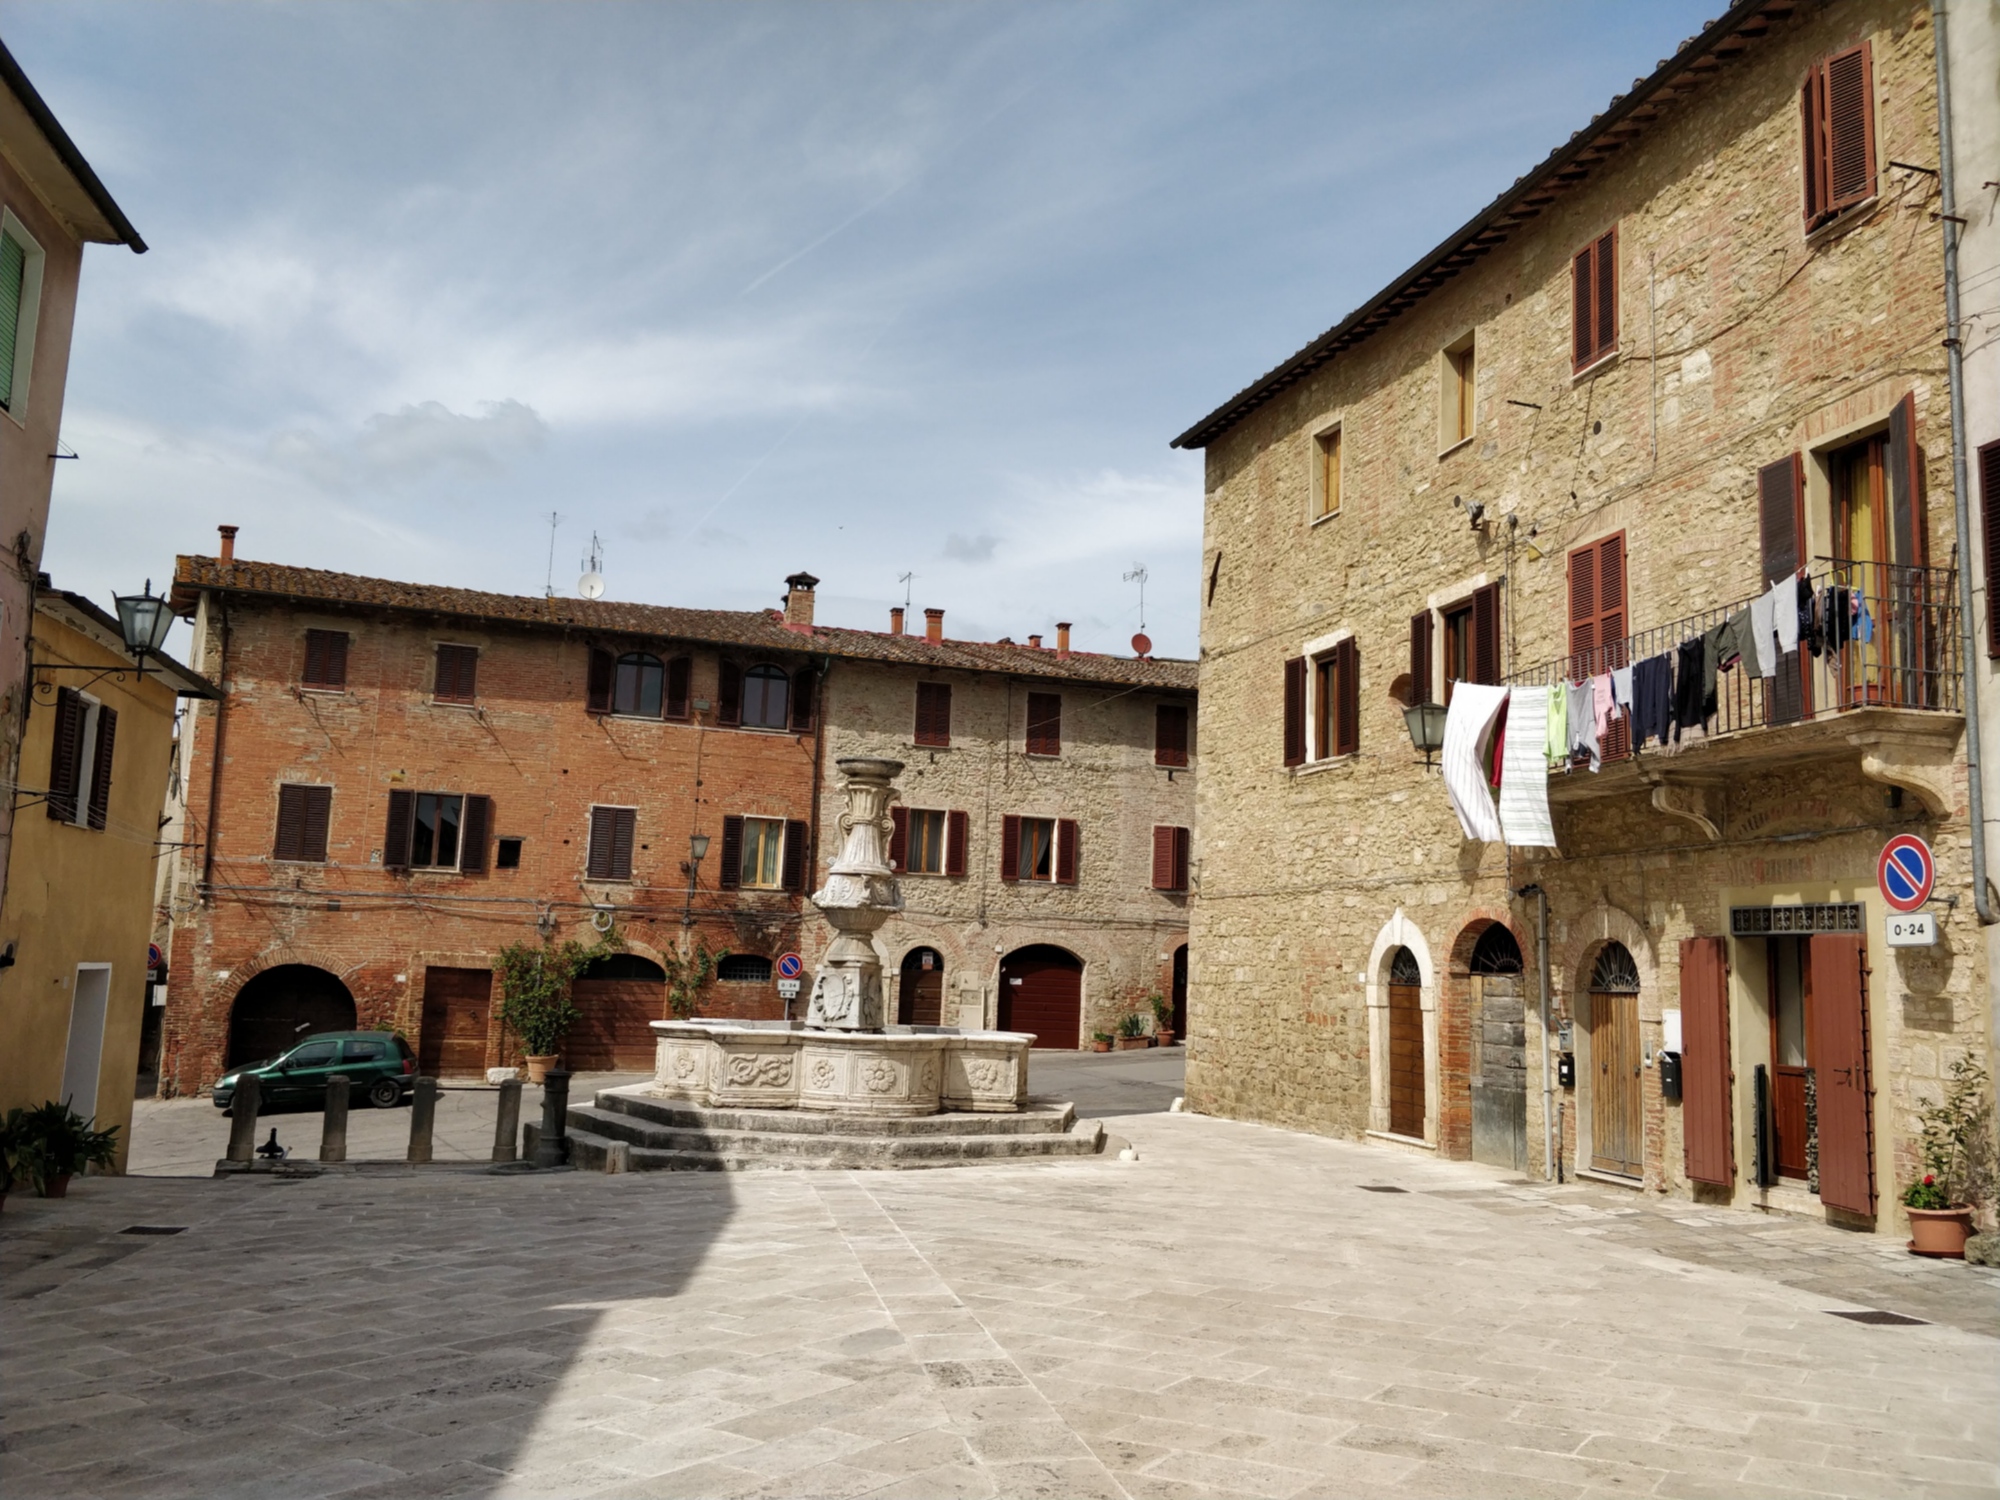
(312, 1055)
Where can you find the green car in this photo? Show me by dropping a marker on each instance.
(379, 1065)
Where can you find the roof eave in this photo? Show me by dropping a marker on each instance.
(67, 153)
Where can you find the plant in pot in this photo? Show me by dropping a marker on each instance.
(535, 996)
(1132, 1032)
(1957, 1161)
(1163, 1018)
(51, 1143)
(688, 975)
(1100, 1041)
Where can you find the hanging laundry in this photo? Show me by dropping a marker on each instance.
(1764, 631)
(1496, 750)
(1732, 644)
(1468, 730)
(1653, 698)
(1809, 623)
(1836, 619)
(1864, 623)
(1558, 741)
(1582, 722)
(1785, 614)
(1621, 687)
(1694, 683)
(1603, 707)
(1524, 777)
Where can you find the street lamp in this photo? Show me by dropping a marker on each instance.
(145, 621)
(1426, 722)
(697, 852)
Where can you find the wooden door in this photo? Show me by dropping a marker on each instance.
(1041, 990)
(1180, 991)
(1789, 992)
(613, 1032)
(920, 995)
(453, 1041)
(1844, 1091)
(1406, 1060)
(1617, 1133)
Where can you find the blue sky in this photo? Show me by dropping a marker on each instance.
(743, 288)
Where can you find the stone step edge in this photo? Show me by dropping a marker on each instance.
(1038, 1116)
(592, 1152)
(643, 1134)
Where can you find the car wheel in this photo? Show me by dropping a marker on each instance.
(385, 1093)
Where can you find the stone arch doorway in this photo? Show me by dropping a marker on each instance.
(1041, 990)
(1484, 1049)
(1617, 1119)
(1406, 1045)
(618, 998)
(283, 1005)
(920, 988)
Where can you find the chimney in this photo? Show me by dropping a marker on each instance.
(228, 542)
(799, 601)
(1062, 640)
(896, 620)
(934, 626)
(1035, 642)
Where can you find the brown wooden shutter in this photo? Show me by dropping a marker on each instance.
(899, 838)
(1347, 706)
(1907, 538)
(326, 659)
(957, 834)
(728, 693)
(457, 674)
(1423, 630)
(318, 819)
(1170, 734)
(597, 858)
(1594, 300)
(1068, 837)
(624, 831)
(290, 841)
(1295, 711)
(1597, 605)
(100, 772)
(1010, 847)
(1583, 325)
(1163, 859)
(1838, 1047)
(933, 713)
(804, 682)
(1486, 634)
(1780, 524)
(473, 826)
(603, 668)
(1583, 607)
(1605, 295)
(1183, 852)
(1044, 724)
(798, 842)
(675, 705)
(1989, 514)
(1837, 130)
(730, 877)
(66, 755)
(396, 837)
(1706, 1079)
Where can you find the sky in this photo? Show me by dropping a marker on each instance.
(868, 289)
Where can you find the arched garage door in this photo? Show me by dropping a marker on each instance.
(1041, 990)
(284, 1005)
(618, 998)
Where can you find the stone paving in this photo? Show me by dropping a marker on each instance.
(1234, 1314)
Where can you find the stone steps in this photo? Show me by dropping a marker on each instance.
(637, 1101)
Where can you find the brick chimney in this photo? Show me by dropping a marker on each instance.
(896, 620)
(1062, 640)
(799, 601)
(934, 626)
(1035, 642)
(228, 533)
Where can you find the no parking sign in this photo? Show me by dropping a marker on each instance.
(1906, 872)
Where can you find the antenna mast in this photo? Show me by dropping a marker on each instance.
(907, 580)
(1139, 573)
(549, 587)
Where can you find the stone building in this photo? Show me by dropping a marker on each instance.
(411, 778)
(1692, 355)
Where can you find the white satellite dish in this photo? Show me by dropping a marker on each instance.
(591, 585)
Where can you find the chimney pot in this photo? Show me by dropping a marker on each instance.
(1035, 641)
(228, 534)
(1062, 640)
(799, 600)
(934, 626)
(896, 620)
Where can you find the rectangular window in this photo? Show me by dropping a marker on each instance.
(1594, 300)
(326, 661)
(1337, 701)
(1045, 724)
(1035, 851)
(434, 831)
(1044, 849)
(1326, 474)
(1455, 397)
(761, 866)
(507, 854)
(457, 674)
(1597, 607)
(1170, 858)
(926, 842)
(611, 840)
(21, 262)
(81, 753)
(933, 714)
(1170, 734)
(1837, 110)
(1472, 639)
(303, 815)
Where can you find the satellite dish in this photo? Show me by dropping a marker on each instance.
(591, 585)
(1142, 644)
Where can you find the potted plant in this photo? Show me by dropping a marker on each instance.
(51, 1143)
(535, 998)
(1163, 1018)
(1132, 1032)
(1100, 1041)
(1957, 1166)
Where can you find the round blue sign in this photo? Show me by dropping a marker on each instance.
(790, 966)
(1906, 872)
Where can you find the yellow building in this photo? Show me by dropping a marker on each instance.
(78, 912)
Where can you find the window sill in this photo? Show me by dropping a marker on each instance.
(1041, 754)
(1453, 447)
(1595, 368)
(1170, 765)
(920, 745)
(455, 703)
(1843, 221)
(1332, 515)
(321, 690)
(1331, 763)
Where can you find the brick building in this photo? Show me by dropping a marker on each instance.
(412, 777)
(1692, 356)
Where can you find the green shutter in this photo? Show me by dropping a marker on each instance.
(13, 264)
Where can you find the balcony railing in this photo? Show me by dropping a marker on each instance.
(1901, 650)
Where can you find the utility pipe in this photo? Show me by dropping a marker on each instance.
(1548, 1082)
(1954, 344)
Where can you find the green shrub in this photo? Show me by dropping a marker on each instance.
(52, 1140)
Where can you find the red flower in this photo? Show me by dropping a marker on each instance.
(1929, 1180)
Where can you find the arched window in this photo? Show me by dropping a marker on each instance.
(637, 684)
(1403, 968)
(1615, 973)
(766, 697)
(744, 968)
(1496, 952)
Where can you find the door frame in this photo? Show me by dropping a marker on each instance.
(1400, 932)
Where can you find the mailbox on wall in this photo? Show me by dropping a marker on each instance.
(1566, 1069)
(1670, 1075)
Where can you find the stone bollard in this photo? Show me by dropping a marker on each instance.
(423, 1118)
(333, 1125)
(551, 1146)
(243, 1119)
(508, 1125)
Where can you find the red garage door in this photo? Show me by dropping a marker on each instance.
(1041, 990)
(618, 999)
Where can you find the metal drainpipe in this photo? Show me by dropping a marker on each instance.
(215, 755)
(1961, 505)
(1548, 1082)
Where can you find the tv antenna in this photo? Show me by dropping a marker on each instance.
(549, 587)
(1139, 574)
(907, 580)
(591, 585)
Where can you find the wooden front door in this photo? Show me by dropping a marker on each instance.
(1041, 990)
(1790, 991)
(1180, 991)
(1617, 1136)
(1844, 1092)
(613, 1032)
(920, 996)
(1406, 1060)
(456, 1004)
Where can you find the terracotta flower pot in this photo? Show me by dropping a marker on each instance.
(538, 1067)
(58, 1187)
(1166, 1036)
(1133, 1043)
(1100, 1046)
(1940, 1232)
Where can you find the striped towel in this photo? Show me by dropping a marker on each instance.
(1468, 726)
(1524, 771)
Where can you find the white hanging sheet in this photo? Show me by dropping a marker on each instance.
(1468, 728)
(1524, 771)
